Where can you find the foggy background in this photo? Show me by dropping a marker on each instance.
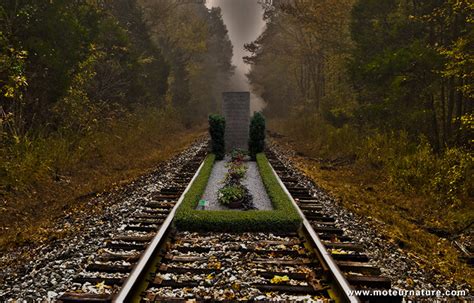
(244, 21)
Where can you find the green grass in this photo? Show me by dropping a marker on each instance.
(283, 218)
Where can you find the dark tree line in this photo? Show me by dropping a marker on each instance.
(82, 82)
(385, 82)
(75, 65)
(412, 66)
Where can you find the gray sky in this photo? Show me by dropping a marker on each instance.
(244, 21)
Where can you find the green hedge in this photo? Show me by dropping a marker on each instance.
(283, 218)
(217, 133)
(257, 134)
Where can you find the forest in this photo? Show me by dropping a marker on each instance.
(368, 119)
(388, 82)
(84, 83)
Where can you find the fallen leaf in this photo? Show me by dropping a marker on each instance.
(279, 279)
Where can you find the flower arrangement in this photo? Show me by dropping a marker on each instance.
(234, 194)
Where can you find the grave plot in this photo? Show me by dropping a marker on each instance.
(223, 172)
(282, 216)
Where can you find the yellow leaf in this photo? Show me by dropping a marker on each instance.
(210, 277)
(338, 252)
(101, 286)
(236, 286)
(279, 279)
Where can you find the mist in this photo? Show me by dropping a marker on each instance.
(244, 21)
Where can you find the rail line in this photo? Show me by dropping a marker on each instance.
(166, 265)
(342, 251)
(119, 257)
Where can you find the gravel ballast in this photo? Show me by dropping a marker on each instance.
(37, 273)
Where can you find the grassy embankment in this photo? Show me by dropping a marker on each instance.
(418, 220)
(46, 177)
(283, 218)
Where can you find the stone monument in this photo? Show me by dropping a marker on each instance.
(236, 108)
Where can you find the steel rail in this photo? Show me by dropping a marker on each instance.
(341, 281)
(136, 275)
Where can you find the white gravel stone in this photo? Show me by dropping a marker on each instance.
(252, 181)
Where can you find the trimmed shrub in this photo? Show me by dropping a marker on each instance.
(256, 135)
(284, 217)
(217, 132)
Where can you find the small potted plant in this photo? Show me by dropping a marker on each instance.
(232, 196)
(235, 173)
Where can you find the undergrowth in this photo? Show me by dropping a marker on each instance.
(42, 176)
(410, 164)
(38, 159)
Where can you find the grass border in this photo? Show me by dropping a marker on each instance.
(282, 218)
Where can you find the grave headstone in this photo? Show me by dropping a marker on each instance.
(236, 108)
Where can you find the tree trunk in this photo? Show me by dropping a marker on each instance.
(459, 112)
(450, 108)
(434, 125)
(443, 113)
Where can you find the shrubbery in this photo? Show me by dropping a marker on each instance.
(256, 134)
(217, 132)
(415, 167)
(34, 163)
(284, 217)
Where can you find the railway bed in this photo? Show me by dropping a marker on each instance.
(246, 266)
(345, 251)
(111, 265)
(153, 262)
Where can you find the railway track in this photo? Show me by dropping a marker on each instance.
(348, 255)
(110, 267)
(237, 267)
(153, 262)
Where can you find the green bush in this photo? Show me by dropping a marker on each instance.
(325, 139)
(453, 177)
(408, 162)
(284, 217)
(412, 171)
(230, 193)
(381, 150)
(256, 134)
(217, 132)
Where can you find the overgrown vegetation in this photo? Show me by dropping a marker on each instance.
(283, 218)
(409, 220)
(256, 134)
(217, 133)
(82, 83)
(410, 165)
